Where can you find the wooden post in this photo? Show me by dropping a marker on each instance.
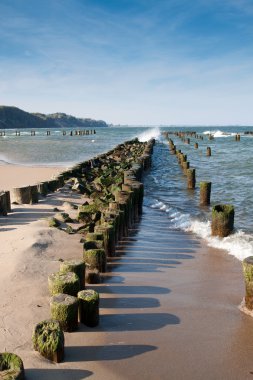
(205, 193)
(64, 309)
(92, 276)
(67, 283)
(196, 145)
(48, 340)
(34, 194)
(191, 180)
(222, 220)
(96, 259)
(247, 265)
(89, 307)
(78, 267)
(11, 366)
(21, 195)
(185, 166)
(208, 151)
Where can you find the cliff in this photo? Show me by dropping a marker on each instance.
(13, 117)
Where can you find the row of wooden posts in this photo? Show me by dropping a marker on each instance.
(80, 132)
(222, 223)
(184, 136)
(222, 215)
(70, 302)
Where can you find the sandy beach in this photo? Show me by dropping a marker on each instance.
(169, 304)
(18, 176)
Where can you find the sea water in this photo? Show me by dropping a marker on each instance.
(230, 169)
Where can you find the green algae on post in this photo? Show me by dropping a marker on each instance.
(89, 307)
(64, 308)
(205, 193)
(96, 259)
(222, 220)
(92, 276)
(76, 266)
(191, 181)
(247, 265)
(48, 340)
(11, 367)
(67, 283)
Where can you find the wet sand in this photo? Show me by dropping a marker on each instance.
(169, 304)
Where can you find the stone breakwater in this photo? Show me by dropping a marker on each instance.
(112, 192)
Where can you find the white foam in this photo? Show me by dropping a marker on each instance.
(219, 133)
(152, 133)
(4, 160)
(239, 244)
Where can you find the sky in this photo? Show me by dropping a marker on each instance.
(169, 62)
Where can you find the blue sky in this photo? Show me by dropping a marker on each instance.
(130, 62)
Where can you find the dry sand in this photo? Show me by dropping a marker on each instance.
(169, 304)
(18, 176)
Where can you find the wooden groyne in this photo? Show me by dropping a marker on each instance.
(111, 187)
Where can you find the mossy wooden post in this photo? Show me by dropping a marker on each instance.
(127, 188)
(108, 232)
(186, 166)
(90, 236)
(34, 194)
(205, 193)
(92, 276)
(138, 189)
(112, 218)
(191, 180)
(3, 204)
(21, 195)
(64, 308)
(89, 307)
(67, 283)
(247, 266)
(11, 367)
(48, 340)
(123, 197)
(96, 259)
(208, 151)
(115, 206)
(43, 188)
(183, 159)
(222, 220)
(93, 244)
(7, 201)
(78, 267)
(173, 150)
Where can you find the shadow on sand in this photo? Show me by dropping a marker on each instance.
(110, 352)
(56, 374)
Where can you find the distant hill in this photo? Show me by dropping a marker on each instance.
(13, 117)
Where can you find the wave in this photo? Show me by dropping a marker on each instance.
(4, 160)
(239, 244)
(219, 133)
(153, 133)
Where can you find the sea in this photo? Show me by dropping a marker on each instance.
(229, 169)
